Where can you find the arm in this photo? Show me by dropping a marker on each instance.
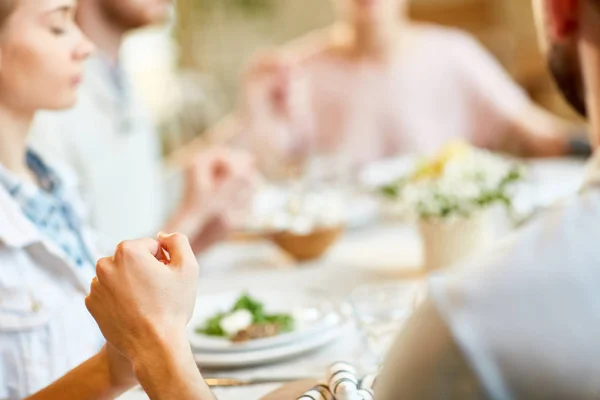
(505, 119)
(169, 372)
(426, 363)
(166, 370)
(104, 376)
(536, 132)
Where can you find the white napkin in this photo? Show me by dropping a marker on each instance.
(342, 384)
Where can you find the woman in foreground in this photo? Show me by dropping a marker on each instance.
(46, 256)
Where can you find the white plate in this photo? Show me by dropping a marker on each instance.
(269, 355)
(362, 211)
(313, 311)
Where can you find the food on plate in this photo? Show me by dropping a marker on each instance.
(247, 320)
(297, 212)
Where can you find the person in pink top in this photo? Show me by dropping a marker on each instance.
(375, 85)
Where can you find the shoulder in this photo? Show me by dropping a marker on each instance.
(442, 34)
(549, 265)
(445, 40)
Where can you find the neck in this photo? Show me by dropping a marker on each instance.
(589, 50)
(375, 40)
(13, 140)
(106, 34)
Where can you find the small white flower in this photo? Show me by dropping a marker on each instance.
(466, 184)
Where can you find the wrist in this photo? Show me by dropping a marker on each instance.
(166, 369)
(113, 384)
(122, 377)
(156, 344)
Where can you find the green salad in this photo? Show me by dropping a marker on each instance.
(257, 323)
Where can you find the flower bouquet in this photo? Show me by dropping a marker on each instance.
(450, 195)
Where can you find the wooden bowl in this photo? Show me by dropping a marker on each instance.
(307, 247)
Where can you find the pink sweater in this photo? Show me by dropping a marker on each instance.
(444, 86)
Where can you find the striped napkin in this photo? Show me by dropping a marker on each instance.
(342, 384)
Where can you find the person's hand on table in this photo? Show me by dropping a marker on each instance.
(142, 299)
(219, 187)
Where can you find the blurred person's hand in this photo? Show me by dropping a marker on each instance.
(276, 110)
(145, 294)
(220, 183)
(268, 84)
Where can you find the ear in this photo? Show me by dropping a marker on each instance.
(563, 18)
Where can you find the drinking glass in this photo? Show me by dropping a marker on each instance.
(381, 311)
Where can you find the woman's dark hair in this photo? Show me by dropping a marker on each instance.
(6, 8)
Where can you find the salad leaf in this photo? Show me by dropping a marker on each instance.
(212, 326)
(245, 302)
(285, 321)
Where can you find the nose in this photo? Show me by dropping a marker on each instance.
(85, 48)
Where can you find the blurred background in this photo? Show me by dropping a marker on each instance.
(189, 71)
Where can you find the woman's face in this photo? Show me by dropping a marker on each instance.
(42, 52)
(369, 11)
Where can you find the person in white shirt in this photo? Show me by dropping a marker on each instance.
(47, 253)
(376, 85)
(520, 322)
(109, 140)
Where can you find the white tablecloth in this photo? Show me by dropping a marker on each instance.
(383, 252)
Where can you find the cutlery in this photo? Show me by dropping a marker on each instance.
(231, 382)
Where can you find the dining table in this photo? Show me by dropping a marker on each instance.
(384, 250)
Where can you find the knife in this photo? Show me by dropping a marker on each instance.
(232, 382)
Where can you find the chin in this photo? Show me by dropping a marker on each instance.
(62, 104)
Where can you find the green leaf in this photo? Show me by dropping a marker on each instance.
(256, 308)
(390, 191)
(212, 326)
(284, 321)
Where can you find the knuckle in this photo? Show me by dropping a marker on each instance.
(95, 286)
(102, 267)
(89, 304)
(125, 248)
(180, 238)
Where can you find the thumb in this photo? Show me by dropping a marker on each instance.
(178, 247)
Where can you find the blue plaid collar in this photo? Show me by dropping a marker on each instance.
(39, 200)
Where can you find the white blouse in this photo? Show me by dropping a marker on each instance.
(45, 329)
